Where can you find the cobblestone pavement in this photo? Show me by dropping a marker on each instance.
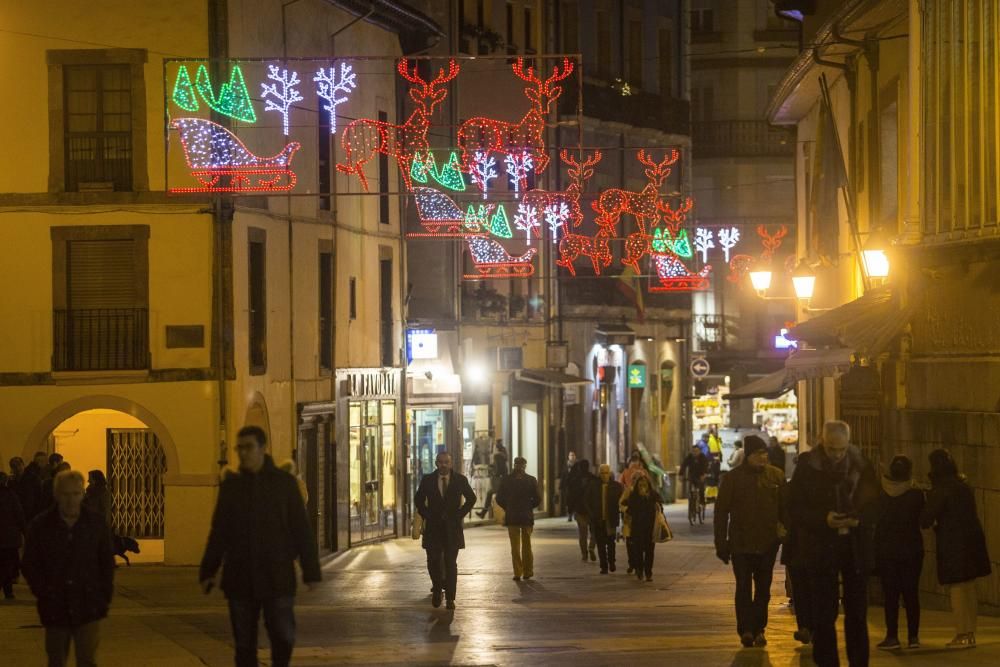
(373, 608)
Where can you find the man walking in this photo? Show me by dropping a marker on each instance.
(69, 566)
(832, 498)
(259, 528)
(748, 530)
(439, 500)
(564, 485)
(602, 498)
(576, 490)
(518, 496)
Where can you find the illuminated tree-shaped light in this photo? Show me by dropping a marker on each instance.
(556, 215)
(500, 225)
(728, 238)
(233, 99)
(450, 175)
(518, 165)
(476, 219)
(419, 168)
(330, 84)
(484, 170)
(184, 95)
(703, 242)
(682, 245)
(281, 94)
(526, 220)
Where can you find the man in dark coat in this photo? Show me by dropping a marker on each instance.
(259, 528)
(11, 531)
(444, 498)
(748, 528)
(564, 485)
(601, 499)
(832, 501)
(579, 479)
(29, 486)
(518, 496)
(70, 568)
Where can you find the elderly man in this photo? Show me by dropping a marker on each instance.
(748, 529)
(69, 566)
(444, 498)
(602, 498)
(832, 498)
(518, 496)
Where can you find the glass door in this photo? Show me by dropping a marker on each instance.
(373, 469)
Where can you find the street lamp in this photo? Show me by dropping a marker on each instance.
(760, 278)
(873, 255)
(804, 281)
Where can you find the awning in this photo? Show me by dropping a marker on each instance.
(550, 378)
(769, 386)
(865, 326)
(615, 334)
(806, 364)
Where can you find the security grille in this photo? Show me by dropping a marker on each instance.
(136, 465)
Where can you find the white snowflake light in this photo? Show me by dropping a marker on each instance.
(483, 170)
(281, 100)
(518, 165)
(330, 84)
(556, 215)
(527, 220)
(703, 242)
(728, 238)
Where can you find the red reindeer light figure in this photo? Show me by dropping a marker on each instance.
(597, 248)
(637, 244)
(644, 205)
(527, 136)
(579, 173)
(364, 137)
(740, 265)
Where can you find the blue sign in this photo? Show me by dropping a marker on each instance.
(782, 343)
(700, 368)
(421, 344)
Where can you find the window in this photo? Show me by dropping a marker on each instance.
(324, 165)
(570, 28)
(888, 144)
(383, 179)
(352, 298)
(326, 310)
(702, 20)
(603, 45)
(98, 127)
(385, 310)
(666, 63)
(257, 300)
(100, 298)
(635, 53)
(529, 31)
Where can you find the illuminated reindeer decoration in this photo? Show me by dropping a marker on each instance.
(364, 137)
(526, 137)
(571, 245)
(644, 205)
(637, 244)
(740, 265)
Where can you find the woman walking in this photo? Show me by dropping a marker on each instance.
(899, 551)
(961, 544)
(642, 505)
(97, 499)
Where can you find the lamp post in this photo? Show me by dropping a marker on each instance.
(874, 258)
(803, 281)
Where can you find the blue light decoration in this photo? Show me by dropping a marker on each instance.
(233, 99)
(783, 343)
(329, 84)
(282, 94)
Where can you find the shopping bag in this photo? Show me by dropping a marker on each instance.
(662, 530)
(418, 526)
(498, 512)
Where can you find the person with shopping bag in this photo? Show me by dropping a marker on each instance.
(642, 505)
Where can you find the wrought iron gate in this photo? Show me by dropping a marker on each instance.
(136, 464)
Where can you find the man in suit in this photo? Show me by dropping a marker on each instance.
(601, 499)
(439, 500)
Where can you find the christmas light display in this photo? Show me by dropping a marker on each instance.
(662, 242)
(739, 266)
(184, 95)
(490, 135)
(500, 224)
(213, 152)
(728, 238)
(329, 84)
(597, 248)
(637, 244)
(484, 170)
(282, 99)
(450, 176)
(493, 261)
(703, 242)
(674, 276)
(644, 205)
(364, 138)
(579, 173)
(233, 99)
(477, 219)
(526, 220)
(436, 210)
(556, 215)
(518, 165)
(771, 242)
(672, 217)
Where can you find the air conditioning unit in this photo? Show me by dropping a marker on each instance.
(510, 358)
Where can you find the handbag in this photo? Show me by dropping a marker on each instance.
(418, 526)
(498, 512)
(662, 532)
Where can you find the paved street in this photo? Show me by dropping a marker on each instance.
(374, 609)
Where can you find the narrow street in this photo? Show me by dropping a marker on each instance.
(373, 608)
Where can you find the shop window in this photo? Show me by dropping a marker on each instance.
(372, 443)
(326, 311)
(257, 301)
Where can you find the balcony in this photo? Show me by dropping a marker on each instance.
(639, 109)
(100, 339)
(741, 138)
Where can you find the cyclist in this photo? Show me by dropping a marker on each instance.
(694, 468)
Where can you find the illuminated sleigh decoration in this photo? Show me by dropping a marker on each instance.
(493, 261)
(675, 276)
(438, 214)
(212, 152)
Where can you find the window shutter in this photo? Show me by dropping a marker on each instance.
(101, 274)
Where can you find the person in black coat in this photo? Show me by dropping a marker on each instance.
(899, 551)
(11, 529)
(259, 528)
(98, 496)
(519, 496)
(69, 567)
(498, 470)
(601, 498)
(443, 499)
(29, 486)
(642, 505)
(832, 499)
(576, 485)
(961, 544)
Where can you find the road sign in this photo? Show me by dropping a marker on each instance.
(700, 367)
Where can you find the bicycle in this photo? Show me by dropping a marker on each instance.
(696, 501)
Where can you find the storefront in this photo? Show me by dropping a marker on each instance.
(778, 417)
(368, 401)
(316, 464)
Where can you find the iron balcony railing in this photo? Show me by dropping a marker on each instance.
(100, 339)
(740, 138)
(99, 158)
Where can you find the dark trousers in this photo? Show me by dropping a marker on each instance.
(84, 638)
(901, 578)
(644, 546)
(825, 606)
(584, 533)
(753, 589)
(630, 550)
(605, 544)
(279, 620)
(802, 595)
(442, 565)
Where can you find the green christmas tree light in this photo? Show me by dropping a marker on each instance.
(682, 245)
(418, 169)
(234, 98)
(500, 225)
(183, 95)
(450, 175)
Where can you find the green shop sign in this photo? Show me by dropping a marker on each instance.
(637, 376)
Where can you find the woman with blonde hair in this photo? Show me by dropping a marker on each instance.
(288, 465)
